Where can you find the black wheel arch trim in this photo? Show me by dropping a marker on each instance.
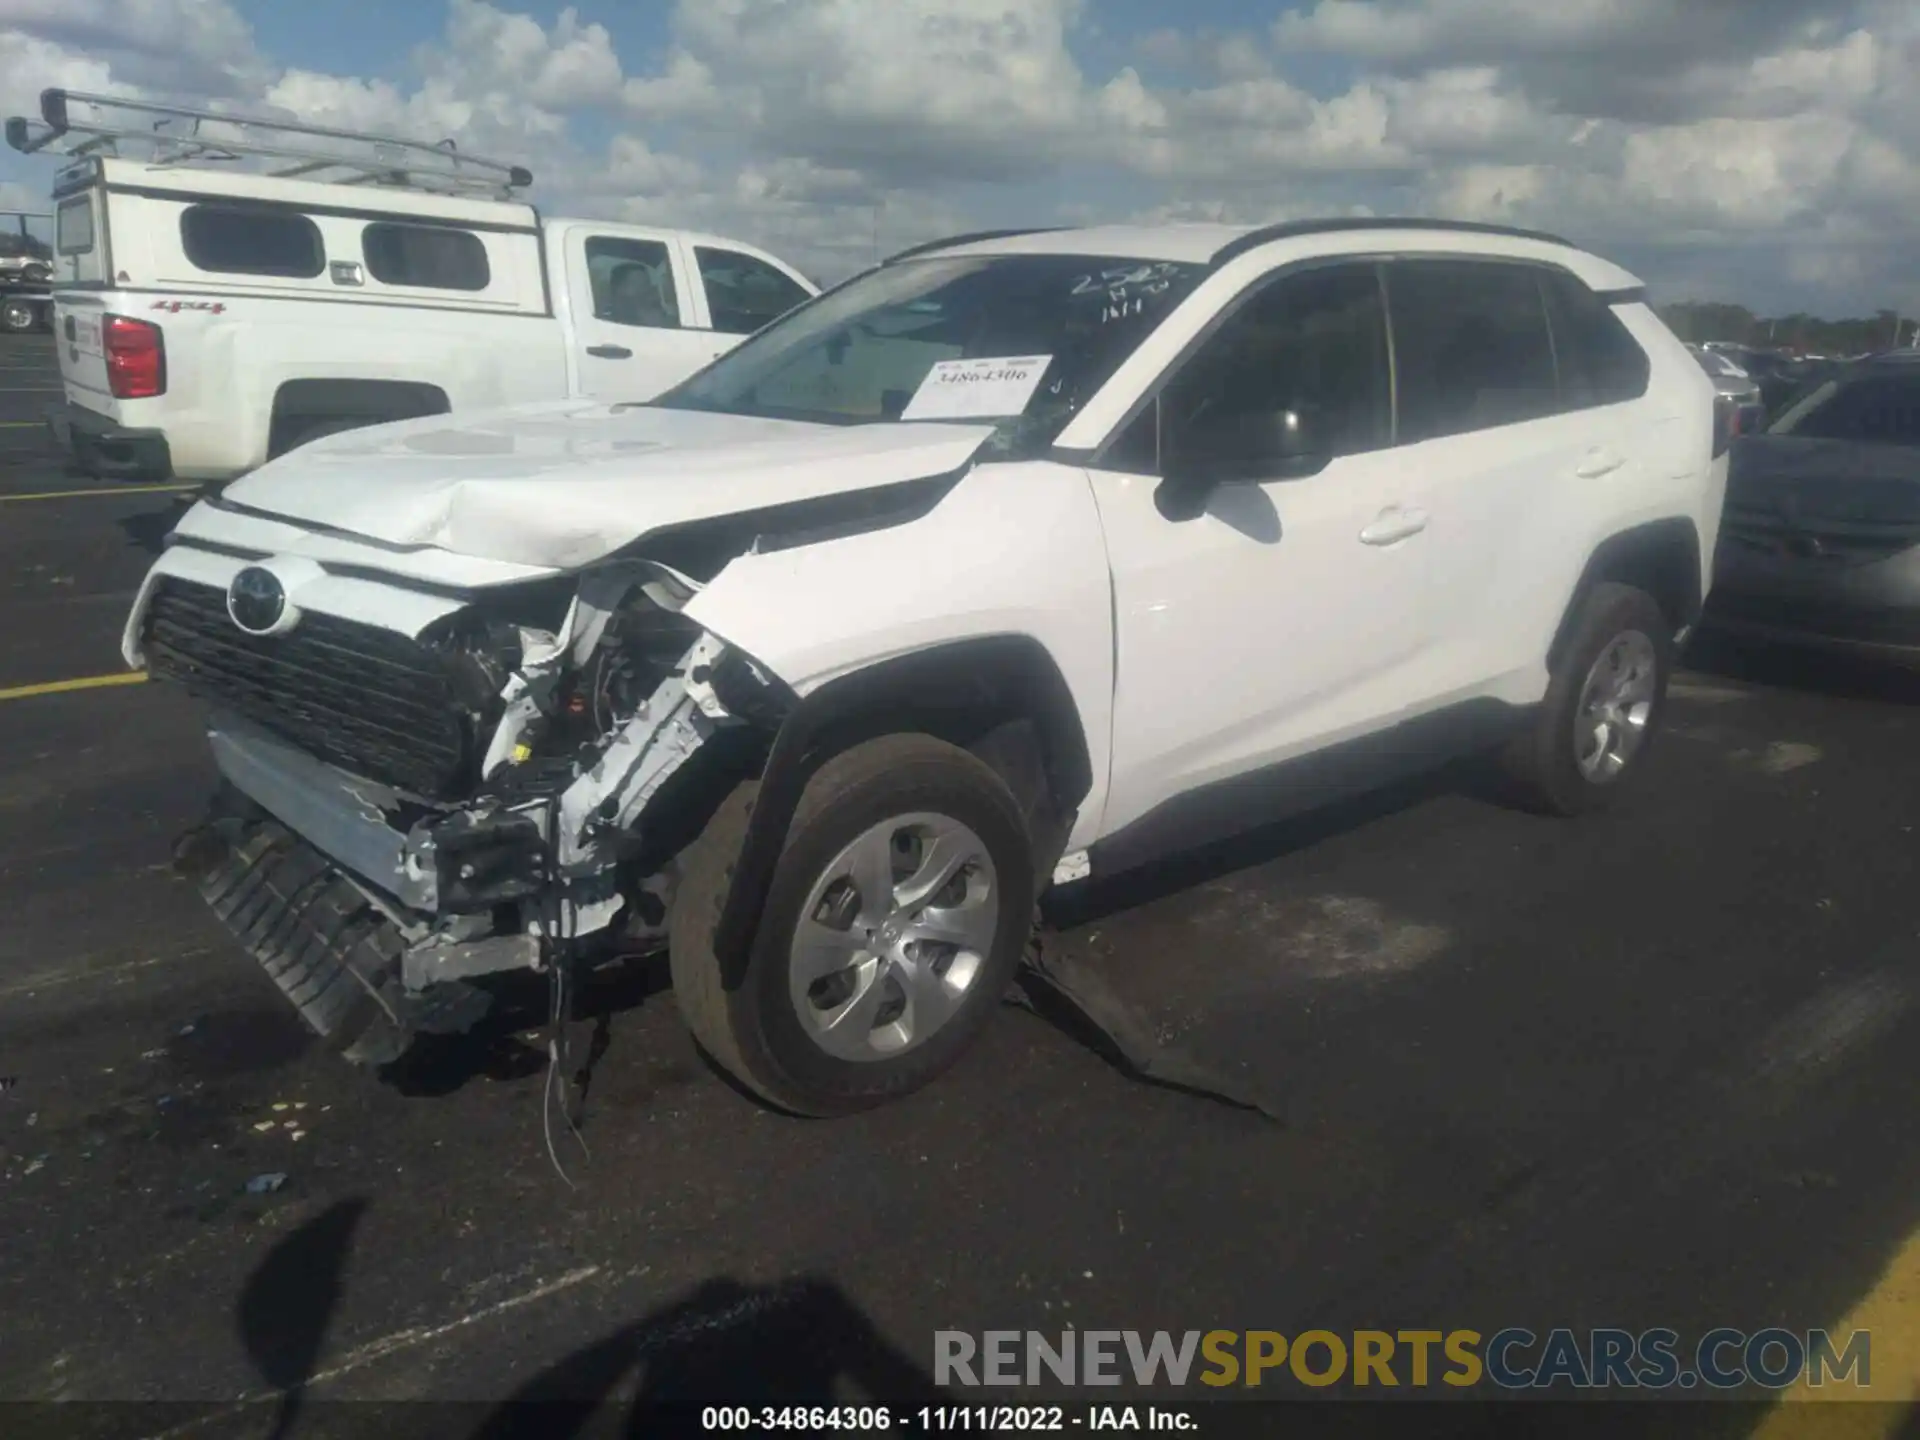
(1662, 556)
(984, 676)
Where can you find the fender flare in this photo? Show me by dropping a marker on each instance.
(991, 677)
(1661, 556)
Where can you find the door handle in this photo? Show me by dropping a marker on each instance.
(610, 352)
(1598, 463)
(1393, 525)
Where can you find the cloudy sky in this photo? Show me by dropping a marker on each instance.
(1765, 151)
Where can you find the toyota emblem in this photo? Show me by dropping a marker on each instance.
(256, 600)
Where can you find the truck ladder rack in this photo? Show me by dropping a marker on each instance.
(88, 126)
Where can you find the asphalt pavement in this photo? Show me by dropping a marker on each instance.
(1652, 1068)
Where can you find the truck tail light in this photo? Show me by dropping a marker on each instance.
(136, 358)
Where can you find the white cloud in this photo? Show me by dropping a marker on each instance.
(1777, 138)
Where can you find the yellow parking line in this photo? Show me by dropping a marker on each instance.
(96, 490)
(1890, 1313)
(85, 682)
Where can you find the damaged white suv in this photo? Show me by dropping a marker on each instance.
(1018, 558)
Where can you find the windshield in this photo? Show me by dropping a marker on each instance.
(1876, 409)
(1044, 331)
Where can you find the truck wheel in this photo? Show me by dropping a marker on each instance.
(895, 920)
(17, 317)
(1604, 701)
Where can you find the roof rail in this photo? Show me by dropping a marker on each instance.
(1288, 229)
(87, 126)
(970, 239)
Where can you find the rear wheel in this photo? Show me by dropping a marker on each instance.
(895, 920)
(1604, 701)
(17, 316)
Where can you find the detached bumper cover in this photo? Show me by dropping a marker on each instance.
(101, 447)
(330, 951)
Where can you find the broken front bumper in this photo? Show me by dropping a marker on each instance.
(344, 910)
(329, 949)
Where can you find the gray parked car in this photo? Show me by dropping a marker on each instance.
(1820, 542)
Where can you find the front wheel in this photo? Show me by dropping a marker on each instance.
(1590, 738)
(895, 920)
(18, 316)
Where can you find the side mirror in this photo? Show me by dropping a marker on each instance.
(1225, 447)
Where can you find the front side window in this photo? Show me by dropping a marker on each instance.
(245, 240)
(860, 354)
(1873, 409)
(744, 294)
(1312, 345)
(632, 282)
(430, 257)
(1471, 347)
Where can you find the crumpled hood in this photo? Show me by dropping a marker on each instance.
(563, 484)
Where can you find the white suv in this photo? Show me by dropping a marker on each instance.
(1019, 558)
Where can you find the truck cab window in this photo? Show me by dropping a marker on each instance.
(632, 282)
(743, 293)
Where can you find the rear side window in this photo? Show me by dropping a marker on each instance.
(431, 257)
(743, 293)
(1472, 350)
(1871, 409)
(246, 240)
(1600, 361)
(73, 226)
(632, 282)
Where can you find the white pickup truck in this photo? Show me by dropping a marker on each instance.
(209, 318)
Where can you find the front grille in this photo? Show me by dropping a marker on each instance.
(1843, 542)
(373, 702)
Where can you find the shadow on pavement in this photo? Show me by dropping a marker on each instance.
(799, 1343)
(1813, 671)
(289, 1300)
(148, 529)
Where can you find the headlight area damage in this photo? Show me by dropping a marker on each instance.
(485, 799)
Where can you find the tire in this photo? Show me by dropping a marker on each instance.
(1544, 763)
(17, 317)
(773, 1034)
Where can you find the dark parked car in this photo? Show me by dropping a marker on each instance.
(1820, 543)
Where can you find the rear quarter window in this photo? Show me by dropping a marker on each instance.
(427, 257)
(245, 240)
(1599, 361)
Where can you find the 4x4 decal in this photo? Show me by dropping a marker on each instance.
(174, 307)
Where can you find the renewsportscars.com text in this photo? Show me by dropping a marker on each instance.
(1511, 1359)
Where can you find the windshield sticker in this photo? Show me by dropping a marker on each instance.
(977, 389)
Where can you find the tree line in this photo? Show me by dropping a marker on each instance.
(1697, 321)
